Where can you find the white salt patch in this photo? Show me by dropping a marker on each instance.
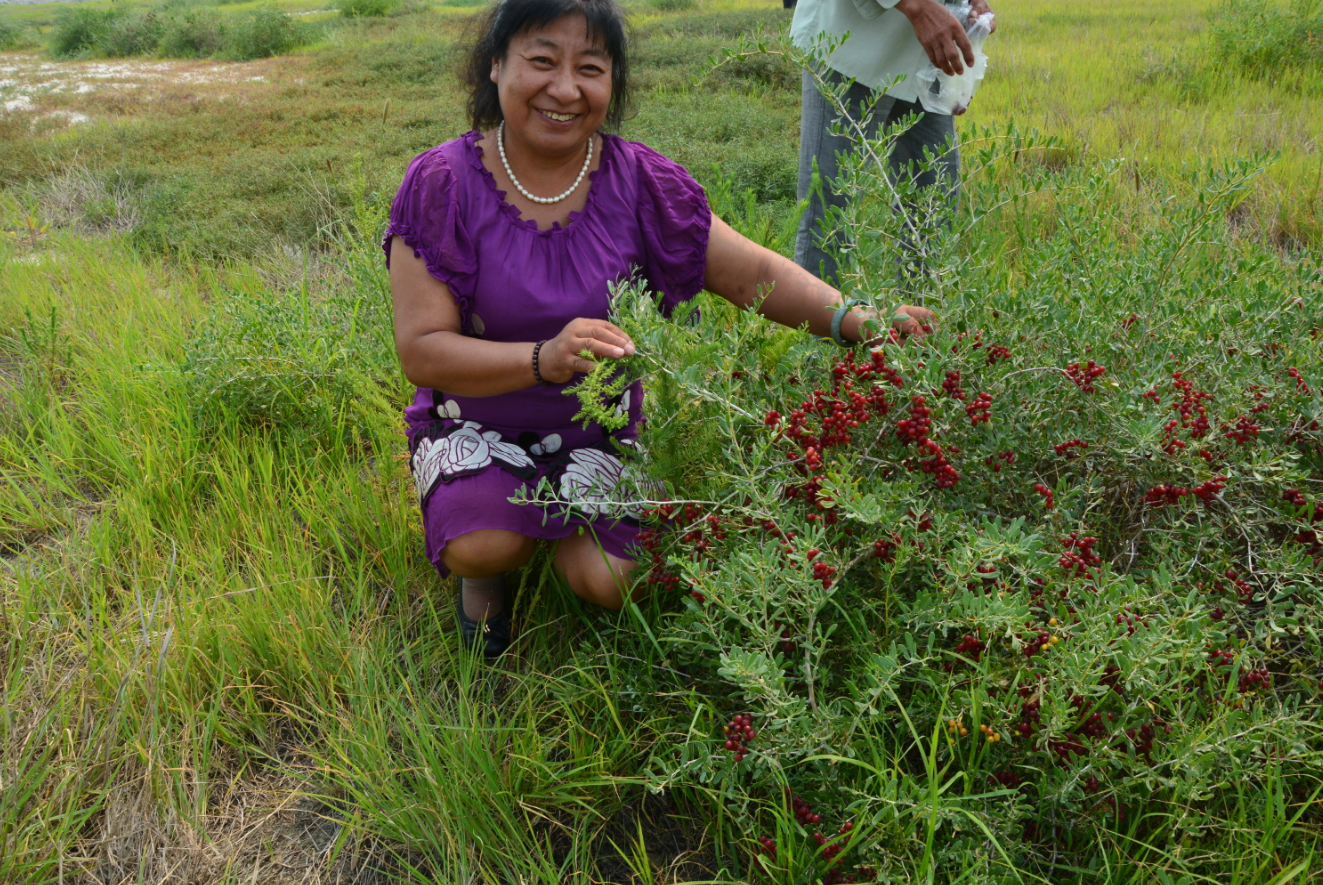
(22, 103)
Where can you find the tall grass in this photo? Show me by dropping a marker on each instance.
(176, 31)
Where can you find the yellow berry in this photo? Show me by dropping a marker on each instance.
(1052, 621)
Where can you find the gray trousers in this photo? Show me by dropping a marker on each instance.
(933, 131)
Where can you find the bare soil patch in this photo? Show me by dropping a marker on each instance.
(58, 94)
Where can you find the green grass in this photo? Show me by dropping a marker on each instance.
(224, 657)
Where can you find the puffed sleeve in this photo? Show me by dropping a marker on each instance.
(425, 215)
(676, 221)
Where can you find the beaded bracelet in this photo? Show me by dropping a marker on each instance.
(836, 322)
(537, 374)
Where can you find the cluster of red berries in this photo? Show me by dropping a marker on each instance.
(971, 646)
(844, 409)
(650, 541)
(1191, 406)
(1308, 537)
(1030, 715)
(1244, 590)
(1208, 491)
(1170, 443)
(1084, 376)
(1130, 621)
(1300, 384)
(1142, 738)
(996, 353)
(1078, 557)
(1112, 678)
(980, 410)
(916, 427)
(1129, 321)
(821, 571)
(803, 811)
(1244, 431)
(808, 818)
(1164, 495)
(943, 474)
(1254, 679)
(951, 385)
(1047, 494)
(831, 852)
(1066, 447)
(738, 732)
(995, 462)
(1036, 642)
(1221, 658)
(885, 549)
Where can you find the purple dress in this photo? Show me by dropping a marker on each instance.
(470, 455)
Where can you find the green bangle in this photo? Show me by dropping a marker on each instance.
(836, 321)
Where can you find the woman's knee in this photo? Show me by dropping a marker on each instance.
(594, 577)
(485, 552)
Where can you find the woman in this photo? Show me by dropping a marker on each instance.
(501, 247)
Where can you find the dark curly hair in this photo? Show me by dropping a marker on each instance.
(508, 19)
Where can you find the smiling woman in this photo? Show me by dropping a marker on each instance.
(503, 246)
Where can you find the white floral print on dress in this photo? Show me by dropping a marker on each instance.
(467, 450)
(590, 479)
(622, 410)
(427, 465)
(550, 445)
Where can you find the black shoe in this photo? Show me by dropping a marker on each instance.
(493, 633)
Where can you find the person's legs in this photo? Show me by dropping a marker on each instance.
(934, 133)
(817, 143)
(480, 559)
(594, 575)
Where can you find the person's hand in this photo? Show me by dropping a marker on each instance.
(559, 358)
(918, 323)
(978, 8)
(941, 34)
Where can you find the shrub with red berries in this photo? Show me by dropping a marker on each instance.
(1097, 605)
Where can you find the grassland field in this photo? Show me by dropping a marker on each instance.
(215, 612)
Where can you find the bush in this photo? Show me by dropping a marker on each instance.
(136, 33)
(83, 32)
(1263, 39)
(1032, 596)
(366, 8)
(262, 33)
(191, 33)
(11, 35)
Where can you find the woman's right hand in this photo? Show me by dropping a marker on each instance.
(559, 358)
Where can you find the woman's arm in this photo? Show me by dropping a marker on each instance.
(742, 271)
(434, 353)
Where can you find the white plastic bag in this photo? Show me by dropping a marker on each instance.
(941, 93)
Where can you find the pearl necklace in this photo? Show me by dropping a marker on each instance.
(500, 143)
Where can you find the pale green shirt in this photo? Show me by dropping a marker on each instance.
(882, 43)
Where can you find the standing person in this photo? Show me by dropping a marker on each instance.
(887, 38)
(502, 248)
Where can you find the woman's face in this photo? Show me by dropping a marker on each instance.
(554, 85)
